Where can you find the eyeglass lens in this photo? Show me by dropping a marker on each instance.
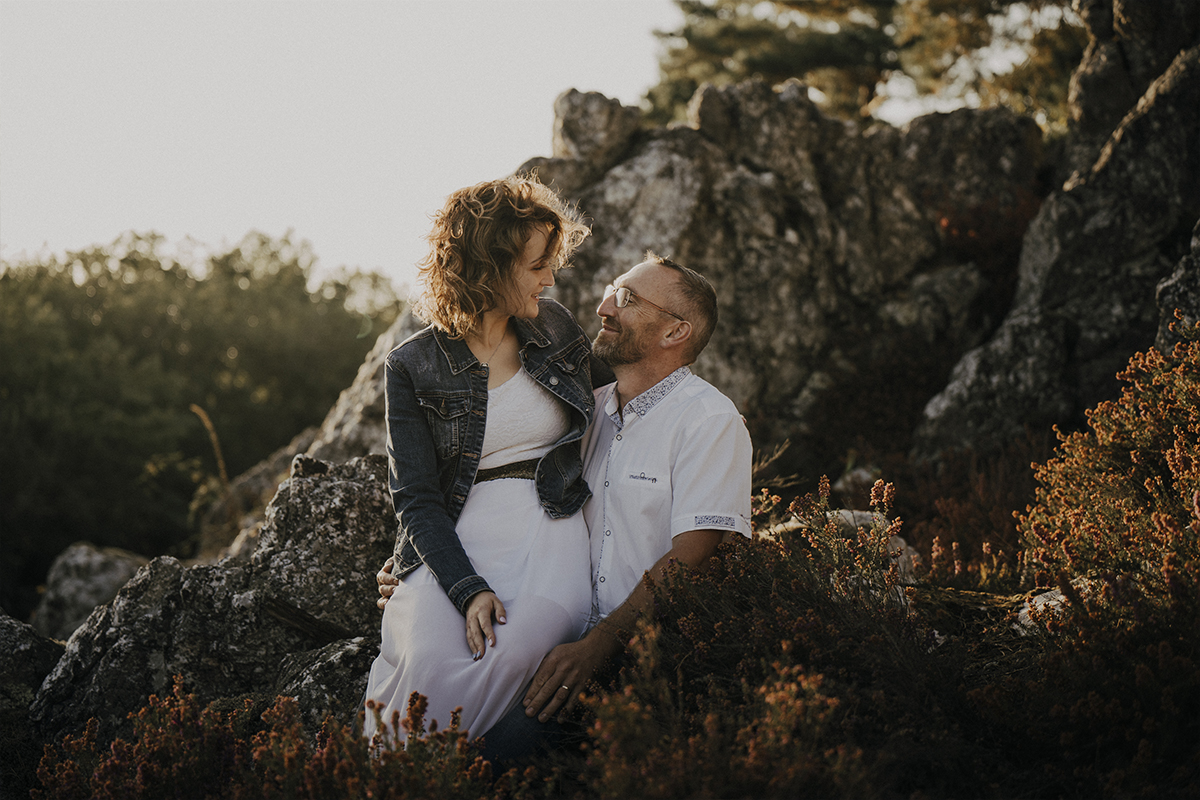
(622, 294)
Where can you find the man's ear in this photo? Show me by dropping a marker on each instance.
(677, 335)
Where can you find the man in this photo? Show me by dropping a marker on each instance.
(667, 458)
(668, 461)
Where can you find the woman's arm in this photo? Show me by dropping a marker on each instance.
(417, 495)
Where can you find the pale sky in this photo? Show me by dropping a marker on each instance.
(343, 121)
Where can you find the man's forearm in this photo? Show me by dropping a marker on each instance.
(693, 548)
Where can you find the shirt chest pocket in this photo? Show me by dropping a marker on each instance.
(446, 415)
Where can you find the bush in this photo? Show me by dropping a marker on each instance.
(106, 351)
(184, 751)
(1116, 527)
(791, 666)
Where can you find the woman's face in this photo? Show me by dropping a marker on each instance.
(531, 273)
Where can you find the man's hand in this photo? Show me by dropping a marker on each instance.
(565, 671)
(567, 668)
(386, 581)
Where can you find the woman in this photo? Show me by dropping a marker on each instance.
(486, 408)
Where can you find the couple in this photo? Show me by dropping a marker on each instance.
(503, 458)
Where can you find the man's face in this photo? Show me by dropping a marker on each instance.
(627, 334)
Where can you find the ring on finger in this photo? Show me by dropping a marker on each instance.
(568, 688)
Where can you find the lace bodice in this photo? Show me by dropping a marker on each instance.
(524, 420)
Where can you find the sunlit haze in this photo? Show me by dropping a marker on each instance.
(346, 123)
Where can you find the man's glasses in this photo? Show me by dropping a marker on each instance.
(622, 299)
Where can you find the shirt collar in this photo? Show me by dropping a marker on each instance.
(645, 401)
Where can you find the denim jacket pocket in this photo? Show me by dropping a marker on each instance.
(446, 414)
(571, 359)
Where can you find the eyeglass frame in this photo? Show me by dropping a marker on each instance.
(615, 292)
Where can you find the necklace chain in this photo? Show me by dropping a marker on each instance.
(497, 350)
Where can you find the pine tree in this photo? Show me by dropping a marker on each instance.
(848, 49)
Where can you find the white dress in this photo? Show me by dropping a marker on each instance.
(538, 567)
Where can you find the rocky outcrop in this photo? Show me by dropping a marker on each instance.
(256, 625)
(842, 258)
(1090, 264)
(1180, 292)
(356, 425)
(1130, 44)
(243, 506)
(26, 658)
(82, 577)
(888, 284)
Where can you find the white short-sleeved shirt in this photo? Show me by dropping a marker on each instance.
(679, 460)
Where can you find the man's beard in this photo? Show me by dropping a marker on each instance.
(620, 348)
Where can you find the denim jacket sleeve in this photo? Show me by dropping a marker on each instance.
(417, 496)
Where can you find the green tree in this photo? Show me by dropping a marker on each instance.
(847, 49)
(105, 351)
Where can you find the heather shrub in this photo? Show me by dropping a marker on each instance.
(790, 666)
(1120, 503)
(960, 511)
(1116, 527)
(183, 750)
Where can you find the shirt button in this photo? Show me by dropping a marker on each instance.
(618, 437)
(554, 381)
(606, 483)
(608, 533)
(602, 579)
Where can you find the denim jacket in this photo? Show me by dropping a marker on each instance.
(437, 398)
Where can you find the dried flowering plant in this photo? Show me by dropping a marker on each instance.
(1116, 528)
(787, 667)
(182, 749)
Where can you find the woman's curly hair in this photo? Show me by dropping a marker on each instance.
(477, 237)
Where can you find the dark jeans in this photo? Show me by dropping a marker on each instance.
(517, 736)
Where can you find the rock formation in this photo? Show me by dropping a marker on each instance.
(1180, 292)
(1090, 262)
(843, 259)
(887, 284)
(259, 624)
(82, 577)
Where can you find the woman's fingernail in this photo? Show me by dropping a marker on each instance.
(502, 619)
(492, 642)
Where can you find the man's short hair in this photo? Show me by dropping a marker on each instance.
(699, 299)
(476, 239)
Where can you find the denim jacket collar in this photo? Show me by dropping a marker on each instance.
(459, 355)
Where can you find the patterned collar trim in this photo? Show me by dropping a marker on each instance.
(645, 401)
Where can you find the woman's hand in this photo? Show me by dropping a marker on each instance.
(480, 610)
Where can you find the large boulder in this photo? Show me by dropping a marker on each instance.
(26, 658)
(852, 267)
(1090, 264)
(239, 626)
(1130, 44)
(82, 577)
